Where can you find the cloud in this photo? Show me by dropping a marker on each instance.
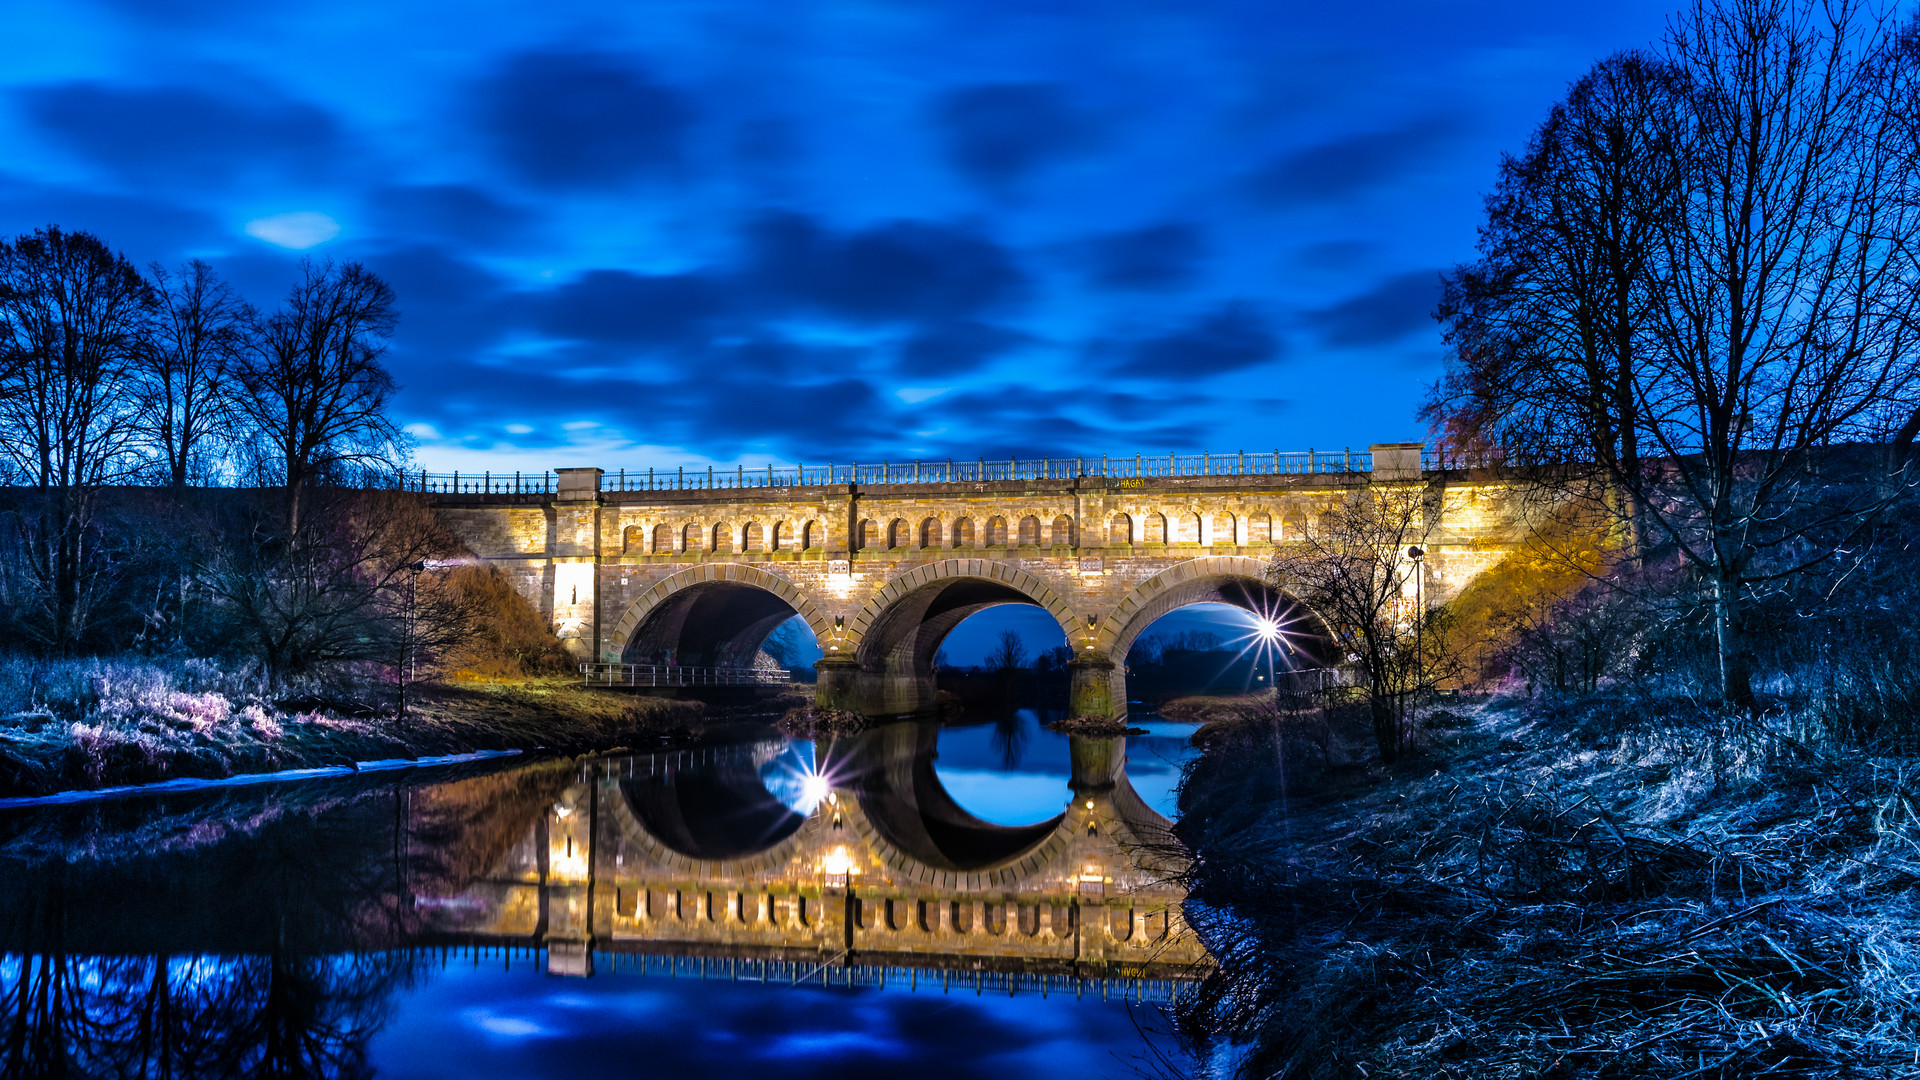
(618, 306)
(449, 212)
(999, 133)
(1154, 257)
(145, 228)
(1350, 165)
(900, 271)
(299, 230)
(1232, 337)
(957, 348)
(1390, 310)
(184, 135)
(448, 304)
(584, 120)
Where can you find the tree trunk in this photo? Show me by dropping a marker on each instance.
(1386, 726)
(1736, 672)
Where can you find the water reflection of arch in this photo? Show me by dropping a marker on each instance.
(717, 822)
(915, 825)
(712, 615)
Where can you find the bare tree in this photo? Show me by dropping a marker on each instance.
(350, 589)
(73, 320)
(1009, 654)
(1353, 570)
(1550, 324)
(1773, 317)
(200, 338)
(316, 391)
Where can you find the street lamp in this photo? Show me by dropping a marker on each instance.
(1419, 627)
(409, 625)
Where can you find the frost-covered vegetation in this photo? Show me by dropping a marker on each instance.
(90, 723)
(1554, 890)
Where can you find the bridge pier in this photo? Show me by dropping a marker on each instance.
(1092, 690)
(837, 684)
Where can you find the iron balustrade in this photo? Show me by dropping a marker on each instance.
(950, 471)
(641, 675)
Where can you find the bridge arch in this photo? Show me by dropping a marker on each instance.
(712, 615)
(1220, 579)
(892, 639)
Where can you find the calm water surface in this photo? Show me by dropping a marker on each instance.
(987, 900)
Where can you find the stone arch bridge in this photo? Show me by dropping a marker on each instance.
(698, 576)
(695, 852)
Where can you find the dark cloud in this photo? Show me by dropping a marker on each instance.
(1390, 310)
(447, 212)
(957, 348)
(447, 304)
(1336, 254)
(1155, 257)
(584, 120)
(184, 135)
(1349, 165)
(616, 306)
(146, 229)
(1233, 337)
(901, 271)
(999, 133)
(1038, 425)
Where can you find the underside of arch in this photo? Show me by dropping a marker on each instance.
(900, 630)
(710, 618)
(1237, 582)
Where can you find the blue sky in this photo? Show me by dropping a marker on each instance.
(653, 234)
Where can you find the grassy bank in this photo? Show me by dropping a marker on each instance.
(1595, 890)
(85, 724)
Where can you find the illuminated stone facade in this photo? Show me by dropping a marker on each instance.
(880, 573)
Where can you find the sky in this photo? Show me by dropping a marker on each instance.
(643, 235)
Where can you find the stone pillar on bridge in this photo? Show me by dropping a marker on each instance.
(575, 552)
(1091, 691)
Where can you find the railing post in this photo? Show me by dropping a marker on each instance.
(1312, 465)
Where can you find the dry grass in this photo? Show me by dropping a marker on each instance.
(1558, 896)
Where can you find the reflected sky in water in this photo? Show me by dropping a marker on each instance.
(521, 1023)
(1030, 785)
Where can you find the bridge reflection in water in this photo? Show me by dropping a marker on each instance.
(849, 864)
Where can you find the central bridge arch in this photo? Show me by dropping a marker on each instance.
(895, 635)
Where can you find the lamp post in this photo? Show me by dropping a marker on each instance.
(1419, 626)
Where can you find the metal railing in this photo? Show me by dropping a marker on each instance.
(919, 471)
(675, 675)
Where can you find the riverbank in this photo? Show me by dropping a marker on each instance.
(81, 725)
(1604, 889)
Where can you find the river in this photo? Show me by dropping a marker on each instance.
(967, 901)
